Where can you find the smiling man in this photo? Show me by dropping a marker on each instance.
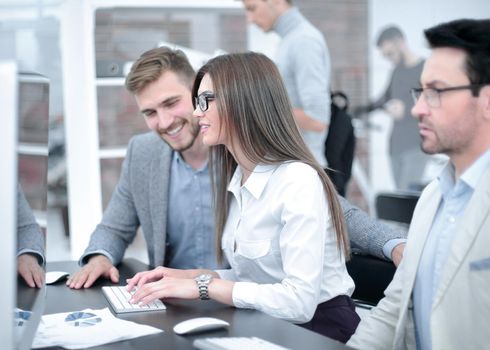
(157, 173)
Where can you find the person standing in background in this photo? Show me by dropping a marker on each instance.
(407, 160)
(303, 60)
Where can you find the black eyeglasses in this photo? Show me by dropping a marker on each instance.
(433, 95)
(203, 100)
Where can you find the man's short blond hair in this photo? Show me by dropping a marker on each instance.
(153, 63)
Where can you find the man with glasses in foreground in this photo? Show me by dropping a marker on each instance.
(165, 188)
(439, 297)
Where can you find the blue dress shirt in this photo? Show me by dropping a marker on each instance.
(190, 224)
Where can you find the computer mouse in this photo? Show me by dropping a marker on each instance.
(55, 276)
(199, 324)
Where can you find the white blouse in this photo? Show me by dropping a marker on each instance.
(280, 243)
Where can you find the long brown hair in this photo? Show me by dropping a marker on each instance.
(253, 102)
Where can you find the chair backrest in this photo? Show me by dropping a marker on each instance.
(340, 143)
(396, 206)
(371, 276)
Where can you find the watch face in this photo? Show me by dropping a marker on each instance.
(204, 278)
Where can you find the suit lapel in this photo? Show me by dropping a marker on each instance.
(468, 229)
(158, 199)
(419, 231)
(417, 236)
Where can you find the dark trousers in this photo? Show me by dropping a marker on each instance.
(336, 318)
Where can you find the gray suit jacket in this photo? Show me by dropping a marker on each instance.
(141, 199)
(30, 238)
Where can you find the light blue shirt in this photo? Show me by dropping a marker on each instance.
(455, 198)
(190, 223)
(303, 60)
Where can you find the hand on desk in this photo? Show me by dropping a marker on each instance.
(97, 266)
(30, 270)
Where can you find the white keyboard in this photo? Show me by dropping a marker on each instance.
(119, 297)
(235, 343)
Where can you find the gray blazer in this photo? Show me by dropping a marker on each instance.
(141, 199)
(30, 238)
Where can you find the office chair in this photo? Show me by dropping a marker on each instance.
(371, 274)
(396, 206)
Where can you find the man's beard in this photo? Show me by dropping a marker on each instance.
(195, 129)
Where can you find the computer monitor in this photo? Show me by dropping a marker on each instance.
(18, 328)
(8, 189)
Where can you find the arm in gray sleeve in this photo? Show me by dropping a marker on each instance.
(120, 221)
(312, 77)
(30, 238)
(366, 234)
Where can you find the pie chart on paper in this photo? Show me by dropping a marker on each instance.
(22, 316)
(82, 319)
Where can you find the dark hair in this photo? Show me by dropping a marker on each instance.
(470, 35)
(389, 33)
(153, 63)
(253, 103)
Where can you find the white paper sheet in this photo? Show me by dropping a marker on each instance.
(86, 328)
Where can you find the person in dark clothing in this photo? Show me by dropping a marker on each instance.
(407, 160)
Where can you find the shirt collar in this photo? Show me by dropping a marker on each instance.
(473, 174)
(177, 158)
(446, 178)
(288, 21)
(470, 176)
(256, 182)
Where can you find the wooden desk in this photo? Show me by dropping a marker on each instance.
(243, 323)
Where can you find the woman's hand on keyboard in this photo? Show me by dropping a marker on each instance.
(156, 274)
(167, 287)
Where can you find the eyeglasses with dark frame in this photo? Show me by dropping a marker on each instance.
(203, 100)
(433, 95)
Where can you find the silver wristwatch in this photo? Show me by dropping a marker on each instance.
(202, 284)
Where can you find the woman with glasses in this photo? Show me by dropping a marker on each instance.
(278, 219)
